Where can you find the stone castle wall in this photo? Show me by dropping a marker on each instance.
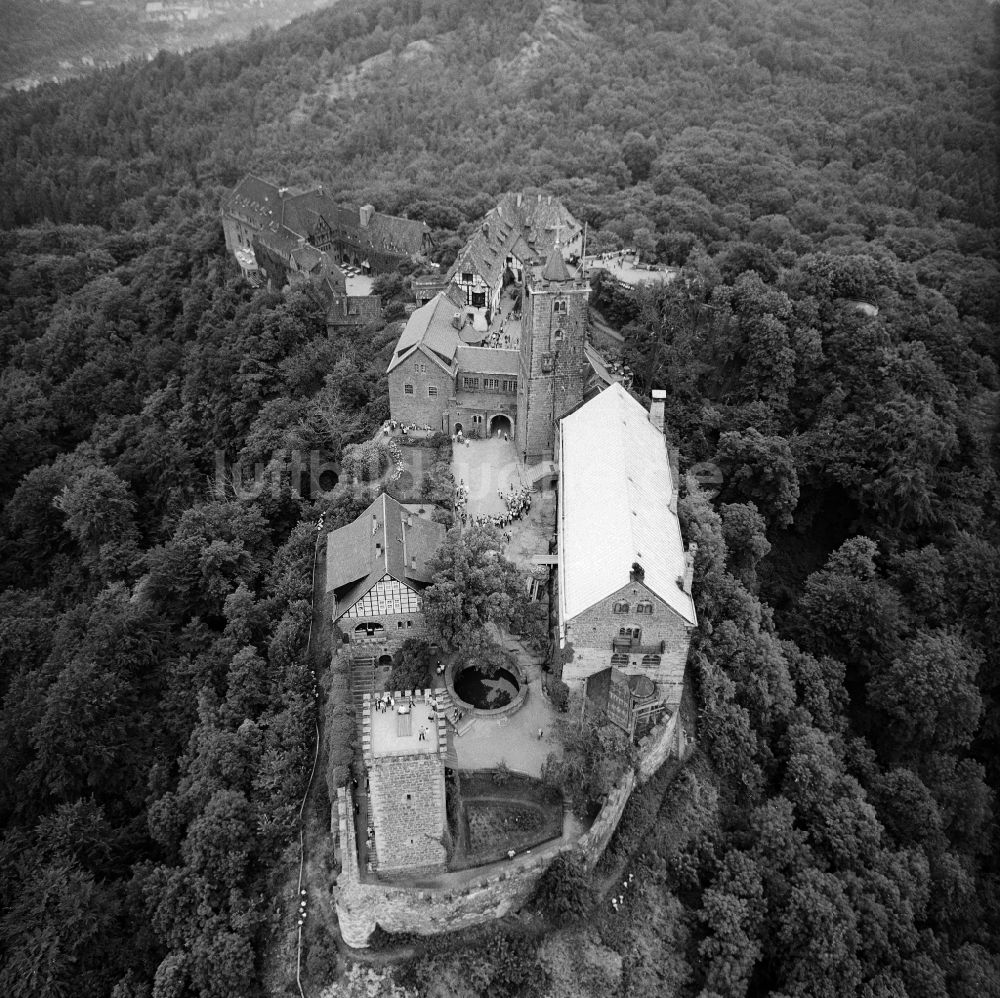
(419, 408)
(591, 633)
(362, 905)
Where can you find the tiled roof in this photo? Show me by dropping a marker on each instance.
(615, 490)
(257, 198)
(384, 540)
(487, 360)
(521, 224)
(405, 235)
(598, 365)
(431, 328)
(555, 267)
(301, 212)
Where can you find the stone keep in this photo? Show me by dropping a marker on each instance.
(407, 796)
(552, 360)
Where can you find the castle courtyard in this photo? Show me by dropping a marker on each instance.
(489, 467)
(511, 739)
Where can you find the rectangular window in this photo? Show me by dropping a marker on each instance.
(409, 623)
(466, 277)
(431, 391)
(491, 384)
(407, 389)
(479, 299)
(471, 383)
(510, 386)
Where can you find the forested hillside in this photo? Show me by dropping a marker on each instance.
(836, 835)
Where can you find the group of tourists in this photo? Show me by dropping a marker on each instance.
(517, 501)
(392, 425)
(501, 338)
(619, 901)
(461, 496)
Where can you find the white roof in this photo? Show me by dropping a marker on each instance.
(615, 490)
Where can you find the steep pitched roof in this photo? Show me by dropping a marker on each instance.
(487, 360)
(405, 235)
(615, 490)
(598, 364)
(431, 329)
(386, 539)
(523, 225)
(555, 267)
(256, 197)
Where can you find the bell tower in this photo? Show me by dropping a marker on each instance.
(552, 362)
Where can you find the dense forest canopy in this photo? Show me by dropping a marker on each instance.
(836, 834)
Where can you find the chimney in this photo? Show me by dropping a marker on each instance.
(374, 524)
(486, 229)
(520, 198)
(656, 407)
(689, 557)
(413, 562)
(549, 200)
(539, 198)
(365, 213)
(378, 547)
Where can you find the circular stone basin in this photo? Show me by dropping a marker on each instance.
(484, 692)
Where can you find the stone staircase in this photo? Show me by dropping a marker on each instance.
(446, 707)
(362, 683)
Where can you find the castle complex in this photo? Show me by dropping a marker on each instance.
(280, 237)
(500, 348)
(462, 365)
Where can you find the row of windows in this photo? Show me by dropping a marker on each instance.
(431, 390)
(620, 658)
(490, 384)
(643, 606)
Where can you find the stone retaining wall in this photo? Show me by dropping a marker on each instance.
(510, 708)
(361, 906)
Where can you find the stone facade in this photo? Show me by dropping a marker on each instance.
(395, 629)
(363, 904)
(659, 652)
(407, 798)
(410, 387)
(553, 366)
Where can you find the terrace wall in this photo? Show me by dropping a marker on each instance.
(363, 905)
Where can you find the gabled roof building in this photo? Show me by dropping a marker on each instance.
(376, 570)
(358, 235)
(624, 578)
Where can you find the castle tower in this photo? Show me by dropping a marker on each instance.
(404, 757)
(552, 363)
